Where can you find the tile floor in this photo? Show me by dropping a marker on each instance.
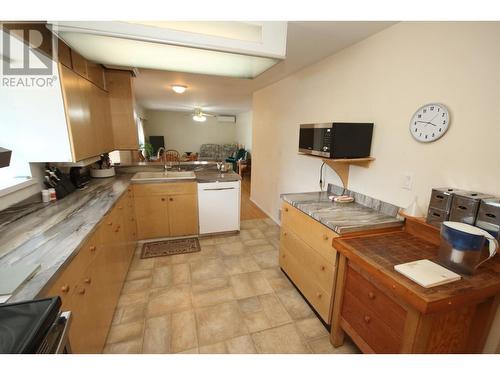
(229, 298)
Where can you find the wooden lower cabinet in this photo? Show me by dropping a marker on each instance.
(166, 209)
(90, 284)
(308, 258)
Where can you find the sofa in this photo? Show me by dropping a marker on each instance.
(214, 152)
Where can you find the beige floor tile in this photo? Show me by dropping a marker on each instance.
(162, 261)
(261, 248)
(139, 274)
(206, 269)
(136, 286)
(218, 323)
(158, 335)
(294, 304)
(276, 278)
(181, 274)
(142, 264)
(174, 298)
(311, 328)
(256, 242)
(184, 335)
(133, 313)
(212, 296)
(249, 284)
(275, 242)
(210, 284)
(162, 277)
(240, 264)
(231, 249)
(274, 310)
(125, 332)
(117, 316)
(282, 339)
(322, 345)
(219, 348)
(267, 259)
(250, 305)
(240, 345)
(226, 238)
(245, 235)
(257, 233)
(133, 298)
(206, 241)
(125, 347)
(256, 321)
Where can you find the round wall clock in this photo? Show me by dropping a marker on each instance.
(430, 122)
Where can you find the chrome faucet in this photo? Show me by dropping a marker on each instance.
(163, 157)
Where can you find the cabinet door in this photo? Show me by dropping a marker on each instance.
(79, 64)
(106, 129)
(121, 99)
(95, 74)
(78, 117)
(183, 214)
(151, 217)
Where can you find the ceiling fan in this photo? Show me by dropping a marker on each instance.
(200, 116)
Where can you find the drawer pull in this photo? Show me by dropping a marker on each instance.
(117, 229)
(325, 237)
(367, 319)
(371, 295)
(87, 280)
(65, 288)
(92, 248)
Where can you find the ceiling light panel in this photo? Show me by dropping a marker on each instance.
(126, 52)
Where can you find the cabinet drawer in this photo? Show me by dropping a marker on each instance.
(172, 188)
(309, 230)
(321, 271)
(375, 300)
(317, 296)
(368, 326)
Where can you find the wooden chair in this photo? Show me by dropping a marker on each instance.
(172, 155)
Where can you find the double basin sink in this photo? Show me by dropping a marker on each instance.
(163, 176)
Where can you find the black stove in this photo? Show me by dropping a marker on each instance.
(32, 326)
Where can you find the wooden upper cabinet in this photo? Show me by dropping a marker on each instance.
(121, 99)
(64, 54)
(95, 74)
(79, 64)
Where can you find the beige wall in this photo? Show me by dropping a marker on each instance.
(183, 134)
(384, 79)
(244, 129)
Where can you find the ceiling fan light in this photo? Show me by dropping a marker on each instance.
(199, 118)
(179, 89)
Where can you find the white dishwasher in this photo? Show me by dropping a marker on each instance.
(219, 206)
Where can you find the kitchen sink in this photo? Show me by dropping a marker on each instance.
(163, 176)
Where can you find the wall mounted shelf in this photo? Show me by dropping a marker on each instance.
(341, 166)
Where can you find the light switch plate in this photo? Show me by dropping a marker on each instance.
(407, 181)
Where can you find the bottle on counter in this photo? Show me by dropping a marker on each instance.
(53, 196)
(45, 196)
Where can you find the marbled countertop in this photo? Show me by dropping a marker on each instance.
(213, 175)
(50, 234)
(341, 217)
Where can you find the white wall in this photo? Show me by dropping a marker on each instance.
(183, 134)
(384, 79)
(244, 129)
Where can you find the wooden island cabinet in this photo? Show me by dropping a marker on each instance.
(385, 312)
(90, 285)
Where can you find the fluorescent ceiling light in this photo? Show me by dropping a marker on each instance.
(127, 52)
(179, 89)
(199, 118)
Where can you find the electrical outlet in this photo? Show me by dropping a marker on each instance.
(407, 181)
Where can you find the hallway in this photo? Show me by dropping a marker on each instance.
(249, 210)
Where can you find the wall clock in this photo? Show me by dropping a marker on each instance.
(430, 122)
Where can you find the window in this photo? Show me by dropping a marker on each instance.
(16, 173)
(140, 131)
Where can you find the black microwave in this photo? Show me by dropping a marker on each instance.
(337, 140)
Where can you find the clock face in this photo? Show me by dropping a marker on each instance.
(430, 122)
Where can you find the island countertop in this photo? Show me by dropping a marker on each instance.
(50, 234)
(346, 217)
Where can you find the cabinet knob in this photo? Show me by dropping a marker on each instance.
(65, 288)
(371, 295)
(117, 229)
(92, 248)
(367, 319)
(325, 237)
(81, 291)
(286, 209)
(87, 280)
(171, 199)
(283, 256)
(110, 223)
(284, 233)
(129, 190)
(163, 199)
(319, 295)
(323, 268)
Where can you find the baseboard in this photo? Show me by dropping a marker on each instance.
(265, 211)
